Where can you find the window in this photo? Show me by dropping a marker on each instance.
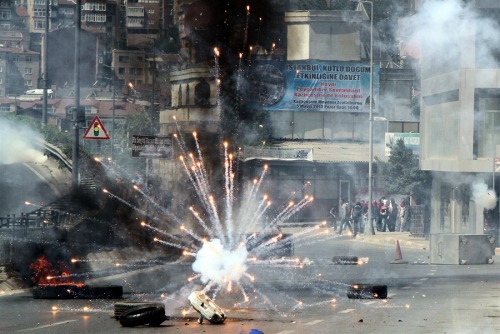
(94, 18)
(1, 81)
(123, 59)
(28, 70)
(38, 12)
(4, 107)
(39, 24)
(121, 70)
(135, 11)
(29, 83)
(202, 94)
(29, 58)
(151, 22)
(4, 15)
(1, 69)
(151, 11)
(487, 119)
(67, 11)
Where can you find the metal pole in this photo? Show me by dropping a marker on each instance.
(371, 229)
(44, 51)
(76, 112)
(113, 120)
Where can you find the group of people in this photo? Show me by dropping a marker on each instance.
(386, 215)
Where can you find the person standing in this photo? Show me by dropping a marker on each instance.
(375, 213)
(333, 217)
(393, 215)
(356, 214)
(383, 214)
(405, 216)
(345, 216)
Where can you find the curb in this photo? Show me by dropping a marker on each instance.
(390, 240)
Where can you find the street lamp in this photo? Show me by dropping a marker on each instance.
(371, 229)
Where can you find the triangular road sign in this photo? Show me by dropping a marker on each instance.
(96, 130)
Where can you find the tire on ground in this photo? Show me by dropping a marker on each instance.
(367, 291)
(142, 315)
(352, 260)
(123, 306)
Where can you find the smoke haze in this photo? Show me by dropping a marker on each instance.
(16, 144)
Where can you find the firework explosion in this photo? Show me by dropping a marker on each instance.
(231, 235)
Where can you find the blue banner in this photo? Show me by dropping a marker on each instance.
(312, 85)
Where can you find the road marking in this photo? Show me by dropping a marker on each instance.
(417, 283)
(424, 279)
(405, 287)
(286, 332)
(349, 310)
(314, 322)
(370, 303)
(46, 326)
(430, 274)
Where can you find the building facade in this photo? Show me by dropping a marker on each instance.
(318, 152)
(460, 122)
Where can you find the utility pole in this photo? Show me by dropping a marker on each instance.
(44, 52)
(77, 113)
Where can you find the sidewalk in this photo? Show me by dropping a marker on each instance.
(390, 238)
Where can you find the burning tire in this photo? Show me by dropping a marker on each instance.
(143, 315)
(351, 260)
(124, 306)
(367, 291)
(77, 291)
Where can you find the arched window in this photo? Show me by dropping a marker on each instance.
(179, 96)
(187, 95)
(202, 93)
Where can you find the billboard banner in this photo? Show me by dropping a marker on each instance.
(151, 147)
(313, 85)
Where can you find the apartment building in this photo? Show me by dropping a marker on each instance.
(19, 70)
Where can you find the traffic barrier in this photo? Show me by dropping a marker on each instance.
(399, 255)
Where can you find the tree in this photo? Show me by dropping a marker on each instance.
(402, 174)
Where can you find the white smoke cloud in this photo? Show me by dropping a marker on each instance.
(220, 265)
(16, 144)
(483, 196)
(440, 28)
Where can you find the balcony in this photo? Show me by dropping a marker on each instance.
(135, 12)
(135, 23)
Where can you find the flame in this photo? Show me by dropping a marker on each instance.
(45, 273)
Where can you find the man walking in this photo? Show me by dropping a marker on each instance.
(345, 216)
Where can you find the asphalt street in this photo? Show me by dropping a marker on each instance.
(287, 299)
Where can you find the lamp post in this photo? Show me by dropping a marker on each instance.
(78, 115)
(44, 64)
(371, 229)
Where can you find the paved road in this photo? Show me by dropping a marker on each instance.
(423, 298)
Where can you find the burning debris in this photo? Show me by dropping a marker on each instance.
(367, 291)
(57, 282)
